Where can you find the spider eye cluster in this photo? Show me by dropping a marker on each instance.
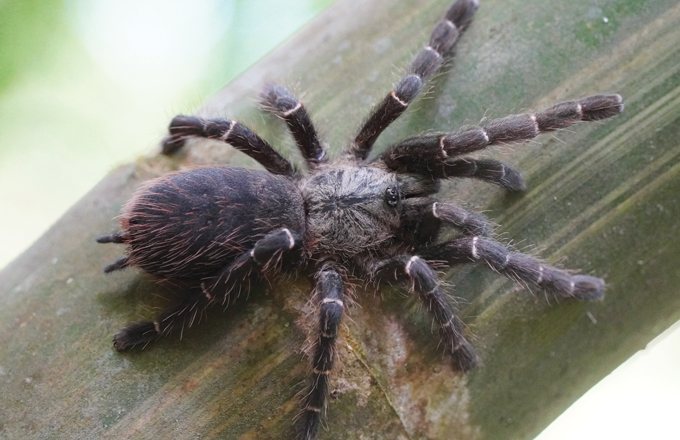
(392, 196)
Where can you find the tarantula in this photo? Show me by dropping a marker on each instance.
(214, 230)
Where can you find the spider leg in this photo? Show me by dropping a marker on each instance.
(231, 132)
(424, 281)
(330, 289)
(142, 333)
(520, 267)
(282, 103)
(425, 64)
(430, 154)
(489, 170)
(423, 218)
(263, 257)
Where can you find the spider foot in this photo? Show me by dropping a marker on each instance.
(465, 358)
(586, 288)
(134, 334)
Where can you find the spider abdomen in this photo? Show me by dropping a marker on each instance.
(187, 226)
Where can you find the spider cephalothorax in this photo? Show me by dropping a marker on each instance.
(351, 209)
(216, 229)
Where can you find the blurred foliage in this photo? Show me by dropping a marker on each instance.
(65, 122)
(29, 32)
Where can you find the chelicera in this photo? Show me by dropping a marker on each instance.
(215, 230)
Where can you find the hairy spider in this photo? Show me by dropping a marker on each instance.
(214, 230)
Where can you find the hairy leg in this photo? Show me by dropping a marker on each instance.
(423, 280)
(431, 154)
(489, 170)
(423, 218)
(231, 132)
(224, 287)
(520, 267)
(425, 64)
(282, 103)
(330, 300)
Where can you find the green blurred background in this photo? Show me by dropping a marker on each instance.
(87, 85)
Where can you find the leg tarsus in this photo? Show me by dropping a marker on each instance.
(135, 334)
(465, 358)
(282, 103)
(181, 128)
(184, 312)
(171, 144)
(592, 108)
(585, 287)
(461, 13)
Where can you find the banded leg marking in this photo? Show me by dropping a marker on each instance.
(425, 64)
(216, 290)
(330, 288)
(424, 281)
(518, 266)
(281, 102)
(232, 132)
(430, 154)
